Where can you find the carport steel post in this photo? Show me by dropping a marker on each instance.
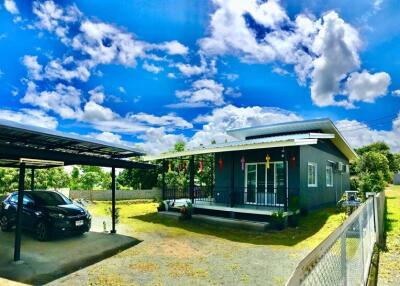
(21, 188)
(113, 199)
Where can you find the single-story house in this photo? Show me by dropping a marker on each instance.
(271, 168)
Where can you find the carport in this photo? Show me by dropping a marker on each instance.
(23, 147)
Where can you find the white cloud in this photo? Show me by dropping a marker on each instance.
(122, 89)
(367, 87)
(152, 68)
(203, 92)
(108, 137)
(64, 100)
(324, 51)
(174, 48)
(230, 33)
(32, 117)
(68, 102)
(11, 7)
(396, 92)
(55, 69)
(359, 134)
(336, 44)
(34, 68)
(56, 19)
(280, 71)
(97, 94)
(171, 75)
(156, 140)
(165, 120)
(219, 120)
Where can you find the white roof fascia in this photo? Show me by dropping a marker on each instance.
(228, 148)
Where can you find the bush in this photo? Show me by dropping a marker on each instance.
(278, 221)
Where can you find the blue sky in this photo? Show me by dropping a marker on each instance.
(151, 73)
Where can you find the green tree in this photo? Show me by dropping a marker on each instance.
(137, 179)
(52, 178)
(373, 171)
(75, 179)
(93, 177)
(8, 179)
(382, 148)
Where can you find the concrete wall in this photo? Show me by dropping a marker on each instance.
(120, 195)
(396, 179)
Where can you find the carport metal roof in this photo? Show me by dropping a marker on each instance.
(33, 147)
(22, 141)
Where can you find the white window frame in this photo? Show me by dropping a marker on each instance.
(314, 165)
(330, 168)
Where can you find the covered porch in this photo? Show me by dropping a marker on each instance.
(254, 176)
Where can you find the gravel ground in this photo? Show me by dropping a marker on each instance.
(166, 257)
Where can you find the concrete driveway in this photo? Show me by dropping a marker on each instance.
(46, 261)
(169, 256)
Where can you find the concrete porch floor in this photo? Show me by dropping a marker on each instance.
(46, 261)
(245, 209)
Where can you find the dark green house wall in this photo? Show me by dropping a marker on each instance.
(321, 153)
(223, 178)
(310, 197)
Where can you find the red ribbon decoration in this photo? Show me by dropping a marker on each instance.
(293, 161)
(220, 164)
(201, 166)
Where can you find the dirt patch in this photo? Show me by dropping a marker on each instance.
(179, 269)
(145, 267)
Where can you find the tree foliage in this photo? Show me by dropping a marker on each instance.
(137, 179)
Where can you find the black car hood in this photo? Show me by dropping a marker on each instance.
(69, 209)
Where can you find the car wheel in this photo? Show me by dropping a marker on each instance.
(4, 223)
(42, 231)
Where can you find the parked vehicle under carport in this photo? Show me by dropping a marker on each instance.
(45, 213)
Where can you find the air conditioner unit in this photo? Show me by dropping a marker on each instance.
(340, 166)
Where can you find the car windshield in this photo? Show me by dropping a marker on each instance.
(49, 199)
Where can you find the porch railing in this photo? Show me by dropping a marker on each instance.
(260, 196)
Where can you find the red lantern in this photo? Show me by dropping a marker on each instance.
(293, 161)
(220, 164)
(242, 161)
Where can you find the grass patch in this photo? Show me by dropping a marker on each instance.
(389, 260)
(143, 217)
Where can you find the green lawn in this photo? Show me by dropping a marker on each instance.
(390, 259)
(142, 216)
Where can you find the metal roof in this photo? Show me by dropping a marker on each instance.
(324, 125)
(36, 137)
(259, 143)
(22, 141)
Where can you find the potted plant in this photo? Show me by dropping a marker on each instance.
(294, 218)
(186, 211)
(278, 220)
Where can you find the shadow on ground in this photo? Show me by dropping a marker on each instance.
(46, 261)
(308, 226)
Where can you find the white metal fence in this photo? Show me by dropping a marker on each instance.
(344, 257)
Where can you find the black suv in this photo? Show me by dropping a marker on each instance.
(45, 213)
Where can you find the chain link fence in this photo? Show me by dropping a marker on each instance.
(344, 257)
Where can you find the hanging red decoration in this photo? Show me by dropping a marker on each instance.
(220, 164)
(243, 162)
(200, 166)
(293, 161)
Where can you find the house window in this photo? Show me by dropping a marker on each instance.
(329, 176)
(312, 174)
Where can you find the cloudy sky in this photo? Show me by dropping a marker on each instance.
(151, 73)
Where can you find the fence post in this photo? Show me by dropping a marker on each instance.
(360, 223)
(343, 257)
